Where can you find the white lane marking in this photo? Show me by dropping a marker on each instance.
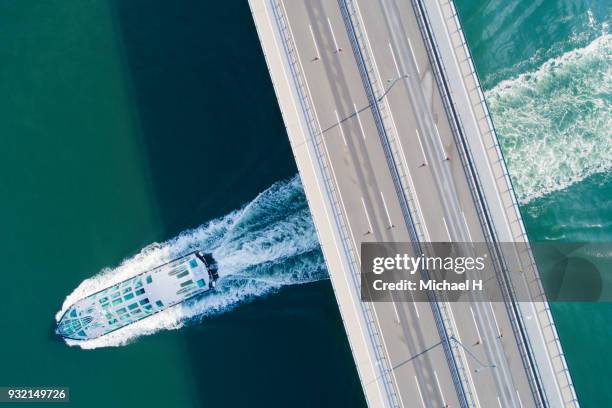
(444, 155)
(519, 398)
(360, 18)
(333, 35)
(397, 319)
(365, 209)
(319, 127)
(318, 55)
(439, 388)
(426, 232)
(341, 203)
(421, 145)
(499, 402)
(394, 61)
(407, 168)
(415, 306)
(476, 325)
(413, 57)
(386, 210)
(467, 228)
(412, 189)
(499, 333)
(447, 231)
(337, 246)
(359, 121)
(366, 36)
(377, 72)
(462, 350)
(340, 126)
(419, 391)
(489, 166)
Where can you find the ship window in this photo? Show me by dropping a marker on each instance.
(114, 295)
(148, 307)
(186, 283)
(104, 299)
(133, 306)
(193, 263)
(149, 279)
(180, 275)
(139, 291)
(73, 313)
(138, 284)
(126, 290)
(159, 303)
(128, 296)
(144, 301)
(201, 283)
(135, 312)
(121, 311)
(109, 316)
(125, 316)
(117, 301)
(81, 333)
(105, 306)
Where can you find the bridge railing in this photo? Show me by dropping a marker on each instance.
(522, 235)
(520, 332)
(315, 136)
(375, 92)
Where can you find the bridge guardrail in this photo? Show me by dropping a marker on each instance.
(454, 16)
(516, 318)
(366, 68)
(315, 136)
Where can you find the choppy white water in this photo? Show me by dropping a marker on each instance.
(555, 122)
(269, 243)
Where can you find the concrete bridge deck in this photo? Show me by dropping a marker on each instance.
(393, 142)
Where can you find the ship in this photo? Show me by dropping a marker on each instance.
(139, 297)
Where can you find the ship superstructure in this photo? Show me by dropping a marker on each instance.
(139, 297)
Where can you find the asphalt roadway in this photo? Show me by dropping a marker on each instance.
(414, 118)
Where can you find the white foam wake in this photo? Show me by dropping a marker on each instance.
(269, 243)
(555, 123)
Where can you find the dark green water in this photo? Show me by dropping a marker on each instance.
(125, 123)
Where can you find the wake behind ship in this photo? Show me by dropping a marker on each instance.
(139, 297)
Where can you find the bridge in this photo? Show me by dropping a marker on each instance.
(394, 143)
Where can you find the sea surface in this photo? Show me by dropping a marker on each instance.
(134, 131)
(546, 66)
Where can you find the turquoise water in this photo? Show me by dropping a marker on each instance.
(547, 70)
